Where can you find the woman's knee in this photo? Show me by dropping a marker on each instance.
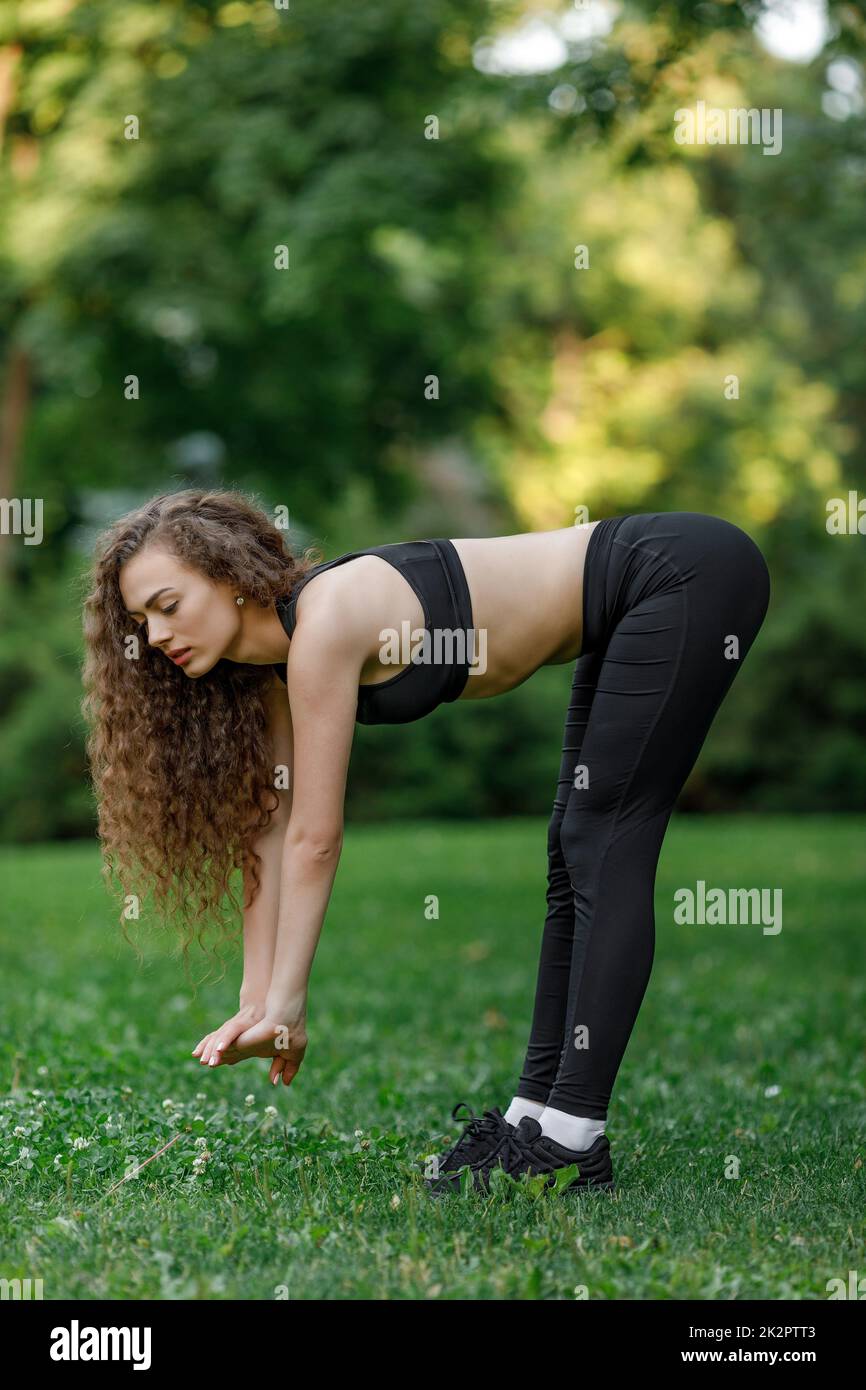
(554, 827)
(578, 844)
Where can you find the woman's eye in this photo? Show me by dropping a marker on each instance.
(171, 608)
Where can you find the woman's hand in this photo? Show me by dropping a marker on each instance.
(285, 1042)
(213, 1044)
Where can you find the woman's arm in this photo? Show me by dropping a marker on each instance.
(323, 671)
(260, 916)
(260, 919)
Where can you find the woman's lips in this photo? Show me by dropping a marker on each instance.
(183, 657)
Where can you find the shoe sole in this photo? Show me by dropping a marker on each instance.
(572, 1187)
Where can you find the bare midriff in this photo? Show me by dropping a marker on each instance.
(527, 605)
(527, 596)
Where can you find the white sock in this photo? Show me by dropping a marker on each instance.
(572, 1131)
(520, 1107)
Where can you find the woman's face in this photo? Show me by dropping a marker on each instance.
(187, 615)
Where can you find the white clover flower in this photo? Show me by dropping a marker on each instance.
(41, 1071)
(19, 1130)
(772, 1090)
(249, 1100)
(201, 1141)
(81, 1143)
(271, 1110)
(358, 1133)
(58, 1160)
(395, 1202)
(198, 1117)
(168, 1105)
(201, 1095)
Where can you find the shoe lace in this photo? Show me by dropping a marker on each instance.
(478, 1127)
(512, 1155)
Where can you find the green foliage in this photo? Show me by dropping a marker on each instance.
(258, 130)
(606, 388)
(44, 786)
(129, 1171)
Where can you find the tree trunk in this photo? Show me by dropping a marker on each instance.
(13, 413)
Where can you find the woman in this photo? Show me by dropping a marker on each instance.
(194, 737)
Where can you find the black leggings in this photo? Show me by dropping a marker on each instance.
(672, 602)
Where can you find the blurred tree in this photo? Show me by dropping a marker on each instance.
(707, 359)
(240, 207)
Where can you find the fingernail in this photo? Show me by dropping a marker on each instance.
(212, 1062)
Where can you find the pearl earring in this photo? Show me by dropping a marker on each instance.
(239, 600)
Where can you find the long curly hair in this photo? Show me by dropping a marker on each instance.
(182, 771)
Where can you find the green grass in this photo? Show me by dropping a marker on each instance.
(748, 1052)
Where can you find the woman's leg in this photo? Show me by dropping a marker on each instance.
(690, 592)
(544, 1051)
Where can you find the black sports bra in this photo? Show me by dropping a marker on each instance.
(433, 677)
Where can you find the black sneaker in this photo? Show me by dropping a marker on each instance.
(527, 1150)
(480, 1135)
(593, 1164)
(504, 1150)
